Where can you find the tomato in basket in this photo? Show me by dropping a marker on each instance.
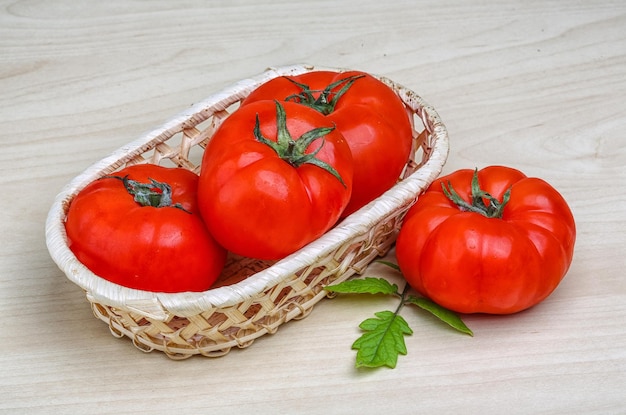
(367, 112)
(274, 177)
(490, 241)
(140, 228)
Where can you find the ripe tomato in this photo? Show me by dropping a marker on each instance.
(368, 113)
(274, 178)
(141, 229)
(494, 241)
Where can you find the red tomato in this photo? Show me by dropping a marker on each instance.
(141, 229)
(504, 249)
(368, 113)
(274, 178)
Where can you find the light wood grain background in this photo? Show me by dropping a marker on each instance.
(537, 85)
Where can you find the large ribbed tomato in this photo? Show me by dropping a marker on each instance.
(367, 112)
(140, 228)
(274, 177)
(491, 241)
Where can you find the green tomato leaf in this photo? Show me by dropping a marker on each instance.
(382, 341)
(443, 314)
(364, 286)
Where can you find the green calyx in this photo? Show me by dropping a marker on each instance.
(482, 202)
(153, 194)
(294, 151)
(327, 99)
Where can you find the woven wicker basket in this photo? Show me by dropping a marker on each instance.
(251, 298)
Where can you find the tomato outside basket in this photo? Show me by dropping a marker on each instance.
(251, 298)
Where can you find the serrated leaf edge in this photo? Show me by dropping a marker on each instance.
(390, 320)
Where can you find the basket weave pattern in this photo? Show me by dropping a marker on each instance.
(251, 298)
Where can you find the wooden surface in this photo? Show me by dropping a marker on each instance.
(537, 85)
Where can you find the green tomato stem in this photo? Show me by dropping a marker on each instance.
(492, 209)
(327, 99)
(294, 151)
(154, 194)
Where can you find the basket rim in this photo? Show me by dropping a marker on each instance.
(157, 305)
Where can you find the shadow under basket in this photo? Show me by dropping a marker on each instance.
(251, 298)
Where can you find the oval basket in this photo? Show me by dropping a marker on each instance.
(251, 298)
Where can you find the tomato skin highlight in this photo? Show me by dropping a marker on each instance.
(372, 119)
(257, 204)
(470, 263)
(159, 249)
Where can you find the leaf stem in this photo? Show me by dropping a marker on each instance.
(403, 299)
